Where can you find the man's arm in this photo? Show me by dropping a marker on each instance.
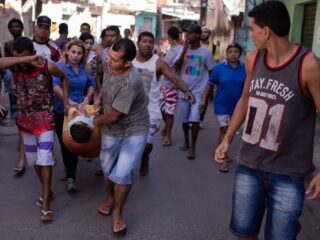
(108, 117)
(239, 112)
(57, 72)
(207, 91)
(178, 64)
(9, 62)
(311, 82)
(163, 68)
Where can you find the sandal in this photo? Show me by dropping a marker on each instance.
(191, 154)
(39, 201)
(46, 216)
(166, 142)
(228, 159)
(122, 227)
(224, 167)
(105, 209)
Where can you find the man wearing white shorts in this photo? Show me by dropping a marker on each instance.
(151, 67)
(35, 119)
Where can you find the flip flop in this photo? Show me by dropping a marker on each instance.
(191, 155)
(46, 216)
(105, 209)
(224, 168)
(228, 159)
(39, 201)
(122, 231)
(166, 142)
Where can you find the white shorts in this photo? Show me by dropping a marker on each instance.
(224, 120)
(153, 129)
(38, 148)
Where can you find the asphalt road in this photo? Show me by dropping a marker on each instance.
(180, 199)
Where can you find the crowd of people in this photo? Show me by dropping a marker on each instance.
(275, 93)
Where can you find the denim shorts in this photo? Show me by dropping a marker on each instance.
(257, 191)
(120, 156)
(189, 112)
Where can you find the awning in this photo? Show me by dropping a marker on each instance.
(192, 16)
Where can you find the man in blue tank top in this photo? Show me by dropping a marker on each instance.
(278, 104)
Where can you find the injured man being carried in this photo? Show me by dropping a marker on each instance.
(79, 134)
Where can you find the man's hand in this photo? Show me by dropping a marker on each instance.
(221, 152)
(97, 120)
(66, 109)
(72, 103)
(313, 190)
(86, 100)
(186, 45)
(37, 61)
(190, 96)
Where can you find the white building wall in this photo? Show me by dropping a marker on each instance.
(120, 20)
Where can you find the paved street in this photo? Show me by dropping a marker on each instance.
(180, 199)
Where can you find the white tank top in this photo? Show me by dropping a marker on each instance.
(151, 85)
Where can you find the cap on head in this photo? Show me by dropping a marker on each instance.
(206, 29)
(193, 28)
(44, 20)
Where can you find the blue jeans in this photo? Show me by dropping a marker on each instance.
(254, 192)
(120, 156)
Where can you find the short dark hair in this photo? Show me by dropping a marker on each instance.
(85, 24)
(63, 28)
(23, 44)
(274, 15)
(235, 45)
(85, 36)
(103, 33)
(114, 28)
(127, 46)
(173, 32)
(15, 20)
(145, 34)
(80, 132)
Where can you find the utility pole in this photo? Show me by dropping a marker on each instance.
(203, 12)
